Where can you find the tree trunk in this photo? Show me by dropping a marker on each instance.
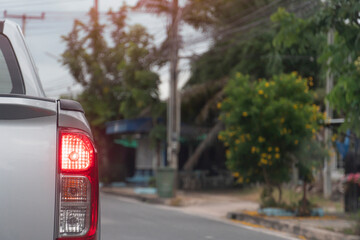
(304, 191)
(158, 154)
(280, 193)
(194, 158)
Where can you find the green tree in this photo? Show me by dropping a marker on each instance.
(115, 73)
(343, 17)
(342, 58)
(266, 121)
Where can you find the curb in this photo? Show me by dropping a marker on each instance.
(141, 198)
(297, 229)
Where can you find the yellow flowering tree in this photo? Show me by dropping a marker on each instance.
(266, 123)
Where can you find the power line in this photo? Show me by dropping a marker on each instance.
(24, 18)
(38, 3)
(264, 22)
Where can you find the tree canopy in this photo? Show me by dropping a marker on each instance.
(115, 71)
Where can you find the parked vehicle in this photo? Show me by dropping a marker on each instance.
(48, 165)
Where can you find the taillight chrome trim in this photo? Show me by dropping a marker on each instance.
(91, 174)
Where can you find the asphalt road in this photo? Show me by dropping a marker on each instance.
(123, 219)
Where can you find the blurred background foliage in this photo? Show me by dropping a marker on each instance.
(281, 42)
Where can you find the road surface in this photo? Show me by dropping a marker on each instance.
(123, 219)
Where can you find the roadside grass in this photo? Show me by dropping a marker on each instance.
(291, 196)
(347, 231)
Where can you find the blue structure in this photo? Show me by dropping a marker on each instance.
(134, 133)
(343, 148)
(128, 126)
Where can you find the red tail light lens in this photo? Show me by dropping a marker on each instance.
(78, 189)
(77, 152)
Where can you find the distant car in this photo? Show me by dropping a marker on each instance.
(48, 163)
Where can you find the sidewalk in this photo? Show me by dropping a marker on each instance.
(228, 204)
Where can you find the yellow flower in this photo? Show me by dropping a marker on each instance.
(261, 92)
(295, 106)
(266, 84)
(237, 141)
(308, 126)
(283, 131)
(236, 174)
(313, 130)
(248, 136)
(238, 74)
(269, 149)
(253, 149)
(269, 156)
(261, 139)
(228, 153)
(263, 161)
(311, 84)
(240, 180)
(263, 155)
(282, 120)
(277, 155)
(218, 105)
(245, 114)
(310, 78)
(277, 149)
(296, 142)
(220, 137)
(333, 138)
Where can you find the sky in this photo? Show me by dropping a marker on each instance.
(46, 46)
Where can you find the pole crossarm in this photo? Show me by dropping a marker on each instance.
(24, 18)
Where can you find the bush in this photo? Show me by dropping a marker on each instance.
(266, 123)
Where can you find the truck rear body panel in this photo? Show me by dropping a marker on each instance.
(28, 146)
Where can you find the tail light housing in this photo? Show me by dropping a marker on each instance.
(78, 186)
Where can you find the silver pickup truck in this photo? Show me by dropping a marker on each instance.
(48, 163)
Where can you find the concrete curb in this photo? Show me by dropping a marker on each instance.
(141, 198)
(297, 229)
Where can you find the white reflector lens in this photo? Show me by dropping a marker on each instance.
(74, 213)
(72, 221)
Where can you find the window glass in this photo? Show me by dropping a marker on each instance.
(10, 77)
(5, 79)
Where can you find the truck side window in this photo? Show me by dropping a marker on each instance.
(10, 76)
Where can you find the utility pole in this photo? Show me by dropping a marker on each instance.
(96, 6)
(24, 18)
(329, 114)
(173, 121)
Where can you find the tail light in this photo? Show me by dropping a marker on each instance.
(78, 190)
